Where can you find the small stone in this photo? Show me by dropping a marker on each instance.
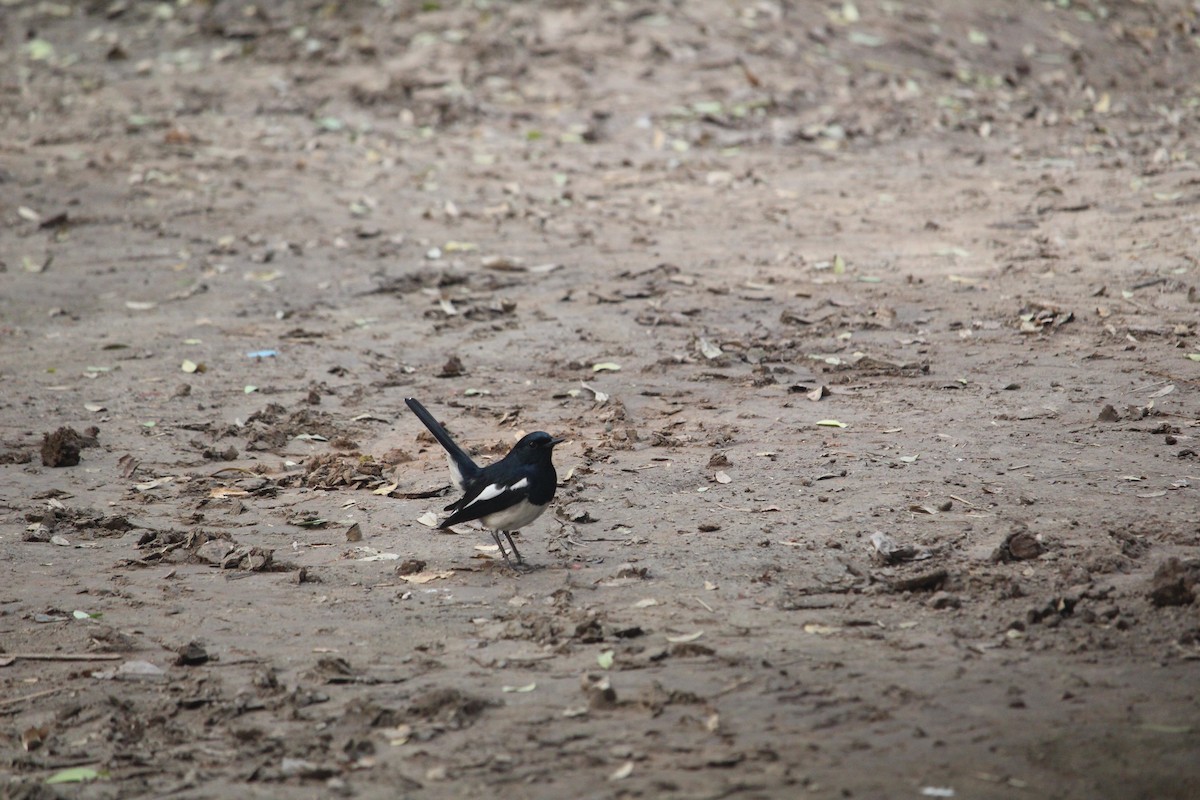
(1109, 414)
(192, 654)
(708, 527)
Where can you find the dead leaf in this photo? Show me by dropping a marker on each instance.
(622, 772)
(1164, 391)
(684, 638)
(600, 397)
(428, 519)
(398, 735)
(529, 687)
(371, 554)
(423, 577)
(722, 477)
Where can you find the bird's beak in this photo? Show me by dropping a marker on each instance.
(557, 440)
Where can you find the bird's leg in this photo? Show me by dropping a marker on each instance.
(513, 545)
(499, 544)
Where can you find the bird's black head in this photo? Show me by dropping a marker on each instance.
(536, 445)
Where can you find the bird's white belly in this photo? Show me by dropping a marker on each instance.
(514, 517)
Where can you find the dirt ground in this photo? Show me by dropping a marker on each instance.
(873, 327)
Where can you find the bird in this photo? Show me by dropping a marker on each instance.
(505, 496)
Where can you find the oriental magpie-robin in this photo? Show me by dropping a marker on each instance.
(505, 496)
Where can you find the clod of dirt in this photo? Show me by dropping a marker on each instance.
(252, 559)
(887, 551)
(228, 554)
(83, 520)
(925, 582)
(214, 551)
(301, 768)
(328, 471)
(598, 689)
(37, 532)
(334, 669)
(1109, 414)
(691, 650)
(395, 456)
(943, 600)
(410, 567)
(719, 460)
(1174, 583)
(269, 429)
(192, 654)
(1055, 609)
(655, 698)
(450, 707)
(798, 599)
(61, 448)
(452, 368)
(302, 575)
(1019, 545)
(213, 454)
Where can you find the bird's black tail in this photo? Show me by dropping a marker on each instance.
(466, 467)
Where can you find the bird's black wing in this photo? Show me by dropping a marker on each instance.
(467, 468)
(485, 497)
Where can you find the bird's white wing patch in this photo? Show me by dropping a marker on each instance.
(490, 491)
(495, 490)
